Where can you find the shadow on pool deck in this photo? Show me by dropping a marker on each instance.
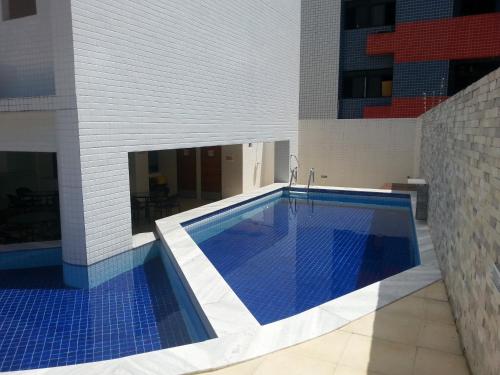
(415, 335)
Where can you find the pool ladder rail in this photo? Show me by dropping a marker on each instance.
(311, 177)
(293, 176)
(294, 172)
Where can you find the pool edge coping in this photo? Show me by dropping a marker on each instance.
(240, 336)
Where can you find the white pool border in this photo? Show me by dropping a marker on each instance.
(240, 336)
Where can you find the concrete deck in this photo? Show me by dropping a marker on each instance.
(415, 335)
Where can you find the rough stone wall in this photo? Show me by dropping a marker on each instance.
(460, 159)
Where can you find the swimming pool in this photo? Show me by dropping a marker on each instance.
(45, 324)
(288, 252)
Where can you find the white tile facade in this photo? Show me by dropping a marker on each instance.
(26, 59)
(162, 75)
(137, 76)
(319, 59)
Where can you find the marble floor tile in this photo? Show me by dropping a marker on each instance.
(409, 307)
(432, 362)
(328, 348)
(438, 311)
(283, 363)
(346, 370)
(388, 327)
(442, 337)
(435, 291)
(367, 353)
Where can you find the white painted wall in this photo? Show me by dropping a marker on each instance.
(282, 155)
(418, 144)
(357, 153)
(258, 165)
(27, 131)
(164, 75)
(267, 172)
(26, 54)
(231, 170)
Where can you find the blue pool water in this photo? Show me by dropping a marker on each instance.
(45, 324)
(285, 254)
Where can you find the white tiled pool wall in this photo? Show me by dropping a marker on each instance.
(91, 276)
(77, 276)
(375, 196)
(179, 285)
(222, 215)
(30, 258)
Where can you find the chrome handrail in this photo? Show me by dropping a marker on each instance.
(293, 175)
(311, 175)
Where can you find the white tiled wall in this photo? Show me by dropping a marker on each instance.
(26, 63)
(358, 153)
(319, 58)
(170, 74)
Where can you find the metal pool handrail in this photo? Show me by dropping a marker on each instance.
(311, 175)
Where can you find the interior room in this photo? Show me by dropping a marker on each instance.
(166, 182)
(29, 200)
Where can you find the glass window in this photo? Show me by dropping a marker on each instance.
(365, 13)
(153, 161)
(362, 16)
(465, 72)
(12, 9)
(367, 84)
(377, 15)
(471, 7)
(374, 87)
(354, 87)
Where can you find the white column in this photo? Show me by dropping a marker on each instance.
(73, 236)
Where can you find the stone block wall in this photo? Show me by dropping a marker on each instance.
(460, 159)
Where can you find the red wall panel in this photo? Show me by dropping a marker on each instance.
(458, 38)
(403, 107)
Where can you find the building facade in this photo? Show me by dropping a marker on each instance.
(396, 58)
(93, 81)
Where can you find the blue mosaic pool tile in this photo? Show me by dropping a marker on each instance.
(294, 254)
(46, 324)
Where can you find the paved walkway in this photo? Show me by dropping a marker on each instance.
(415, 335)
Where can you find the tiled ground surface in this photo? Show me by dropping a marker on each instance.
(415, 335)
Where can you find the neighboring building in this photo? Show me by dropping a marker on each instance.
(393, 58)
(111, 87)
